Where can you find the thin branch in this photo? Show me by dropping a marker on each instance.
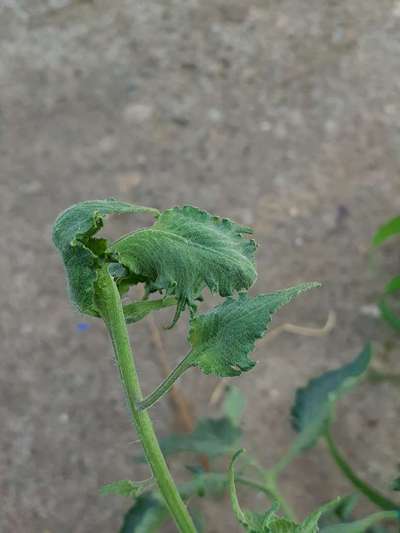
(178, 401)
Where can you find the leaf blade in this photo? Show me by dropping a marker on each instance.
(186, 250)
(146, 515)
(222, 338)
(314, 402)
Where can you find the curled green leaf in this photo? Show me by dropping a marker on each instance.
(251, 521)
(186, 250)
(73, 235)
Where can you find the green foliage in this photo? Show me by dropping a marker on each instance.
(234, 404)
(146, 515)
(135, 311)
(210, 437)
(187, 250)
(125, 487)
(387, 230)
(149, 510)
(270, 521)
(384, 232)
(360, 526)
(387, 312)
(313, 407)
(223, 337)
(184, 252)
(204, 484)
(73, 235)
(396, 484)
(343, 511)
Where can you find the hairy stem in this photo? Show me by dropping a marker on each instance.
(167, 384)
(110, 307)
(372, 494)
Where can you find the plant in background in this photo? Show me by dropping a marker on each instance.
(185, 251)
(390, 229)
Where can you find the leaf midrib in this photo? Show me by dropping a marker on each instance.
(185, 241)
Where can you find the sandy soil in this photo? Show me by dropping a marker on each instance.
(283, 115)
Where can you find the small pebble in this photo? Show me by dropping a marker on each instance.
(64, 418)
(370, 310)
(215, 115)
(138, 113)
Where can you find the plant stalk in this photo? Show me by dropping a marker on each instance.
(167, 384)
(110, 306)
(372, 494)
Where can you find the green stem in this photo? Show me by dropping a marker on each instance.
(372, 494)
(167, 384)
(285, 461)
(271, 486)
(256, 485)
(110, 307)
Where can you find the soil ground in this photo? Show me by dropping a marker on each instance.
(279, 114)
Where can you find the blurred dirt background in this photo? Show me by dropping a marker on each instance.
(280, 114)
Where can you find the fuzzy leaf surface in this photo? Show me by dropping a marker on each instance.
(223, 337)
(73, 233)
(314, 403)
(186, 250)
